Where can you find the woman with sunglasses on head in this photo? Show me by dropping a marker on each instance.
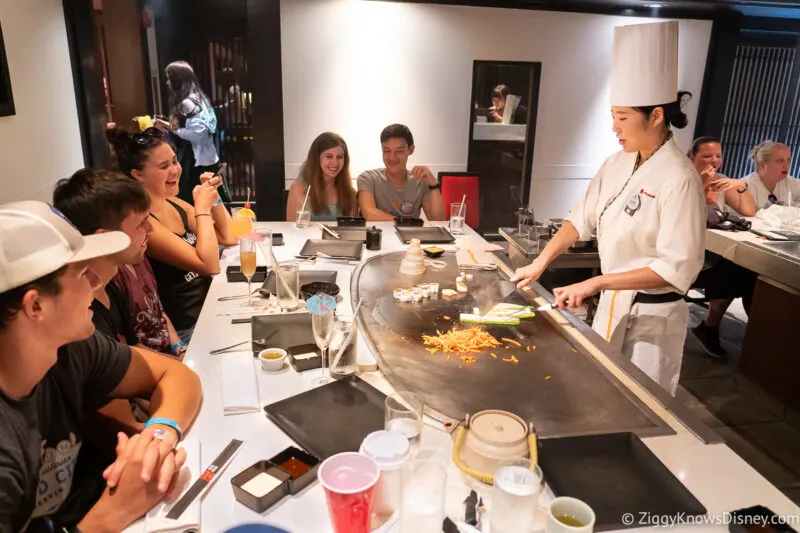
(326, 171)
(193, 120)
(771, 183)
(184, 245)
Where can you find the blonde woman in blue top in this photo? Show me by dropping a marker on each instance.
(327, 171)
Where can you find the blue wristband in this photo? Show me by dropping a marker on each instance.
(177, 345)
(166, 422)
(219, 201)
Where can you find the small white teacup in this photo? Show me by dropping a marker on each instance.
(272, 359)
(569, 515)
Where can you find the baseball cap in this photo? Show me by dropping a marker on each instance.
(36, 239)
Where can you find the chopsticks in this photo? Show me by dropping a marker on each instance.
(330, 231)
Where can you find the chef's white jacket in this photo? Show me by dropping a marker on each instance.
(655, 218)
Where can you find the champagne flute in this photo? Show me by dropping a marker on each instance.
(323, 332)
(247, 258)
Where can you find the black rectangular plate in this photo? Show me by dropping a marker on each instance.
(615, 474)
(331, 419)
(426, 235)
(346, 233)
(284, 330)
(334, 248)
(234, 274)
(306, 276)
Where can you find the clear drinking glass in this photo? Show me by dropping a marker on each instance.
(404, 416)
(302, 219)
(247, 257)
(265, 243)
(346, 365)
(457, 218)
(323, 331)
(241, 222)
(515, 496)
(424, 487)
(287, 285)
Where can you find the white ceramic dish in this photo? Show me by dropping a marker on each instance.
(272, 364)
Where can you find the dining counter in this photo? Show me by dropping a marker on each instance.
(709, 469)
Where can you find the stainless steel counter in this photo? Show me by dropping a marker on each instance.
(522, 251)
(779, 261)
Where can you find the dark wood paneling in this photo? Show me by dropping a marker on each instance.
(87, 80)
(769, 359)
(127, 77)
(264, 55)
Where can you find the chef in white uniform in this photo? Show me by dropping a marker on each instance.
(647, 207)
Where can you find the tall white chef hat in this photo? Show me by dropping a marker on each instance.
(644, 66)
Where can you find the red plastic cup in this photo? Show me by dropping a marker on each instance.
(349, 481)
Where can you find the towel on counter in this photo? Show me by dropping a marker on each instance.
(156, 520)
(473, 257)
(237, 374)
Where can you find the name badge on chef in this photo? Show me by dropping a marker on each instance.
(633, 204)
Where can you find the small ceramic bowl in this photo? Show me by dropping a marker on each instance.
(433, 251)
(319, 287)
(272, 359)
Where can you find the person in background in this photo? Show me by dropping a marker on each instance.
(184, 246)
(327, 171)
(499, 96)
(721, 191)
(771, 183)
(54, 366)
(722, 280)
(647, 208)
(394, 191)
(98, 201)
(192, 119)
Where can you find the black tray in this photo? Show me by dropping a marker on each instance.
(283, 331)
(306, 276)
(426, 235)
(337, 248)
(615, 474)
(234, 274)
(346, 233)
(331, 419)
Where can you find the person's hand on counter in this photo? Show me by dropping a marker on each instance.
(525, 275)
(133, 496)
(573, 296)
(156, 447)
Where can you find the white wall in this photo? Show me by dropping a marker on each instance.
(41, 143)
(354, 66)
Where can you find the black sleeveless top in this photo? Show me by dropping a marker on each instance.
(182, 292)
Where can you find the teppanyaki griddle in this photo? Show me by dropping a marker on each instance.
(555, 385)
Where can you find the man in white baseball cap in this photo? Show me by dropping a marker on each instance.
(53, 367)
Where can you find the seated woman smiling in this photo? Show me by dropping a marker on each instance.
(184, 245)
(326, 171)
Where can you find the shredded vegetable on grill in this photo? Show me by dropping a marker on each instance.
(461, 341)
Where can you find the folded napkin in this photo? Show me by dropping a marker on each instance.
(474, 244)
(472, 257)
(156, 520)
(778, 216)
(237, 375)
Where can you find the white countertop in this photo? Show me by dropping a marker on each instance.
(721, 480)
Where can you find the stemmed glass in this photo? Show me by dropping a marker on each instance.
(247, 258)
(321, 307)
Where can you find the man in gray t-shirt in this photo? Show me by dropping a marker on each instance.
(394, 191)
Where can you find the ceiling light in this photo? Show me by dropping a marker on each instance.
(654, 6)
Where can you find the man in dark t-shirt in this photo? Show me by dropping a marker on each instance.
(97, 201)
(53, 366)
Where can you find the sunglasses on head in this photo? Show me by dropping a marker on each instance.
(772, 198)
(147, 136)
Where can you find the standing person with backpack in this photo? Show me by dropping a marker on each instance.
(193, 120)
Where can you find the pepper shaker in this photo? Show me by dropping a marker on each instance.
(374, 238)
